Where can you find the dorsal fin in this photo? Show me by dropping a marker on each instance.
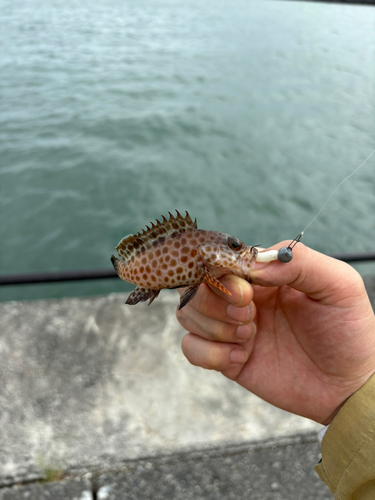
(134, 243)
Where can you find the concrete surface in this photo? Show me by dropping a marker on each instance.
(88, 385)
(278, 469)
(66, 489)
(275, 470)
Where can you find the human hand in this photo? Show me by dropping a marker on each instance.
(313, 344)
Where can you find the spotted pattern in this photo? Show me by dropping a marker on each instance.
(154, 235)
(175, 253)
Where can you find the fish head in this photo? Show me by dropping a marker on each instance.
(228, 254)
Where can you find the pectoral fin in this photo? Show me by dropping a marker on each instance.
(210, 278)
(140, 294)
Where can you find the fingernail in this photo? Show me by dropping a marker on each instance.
(238, 356)
(240, 314)
(245, 332)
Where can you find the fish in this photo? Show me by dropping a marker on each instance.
(174, 253)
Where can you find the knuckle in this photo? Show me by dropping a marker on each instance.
(214, 358)
(185, 345)
(357, 283)
(225, 332)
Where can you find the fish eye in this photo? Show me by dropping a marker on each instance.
(235, 244)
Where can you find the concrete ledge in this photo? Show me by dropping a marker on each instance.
(89, 383)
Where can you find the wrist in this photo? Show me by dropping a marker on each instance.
(335, 412)
(363, 381)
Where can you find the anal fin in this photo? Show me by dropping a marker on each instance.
(187, 295)
(140, 294)
(210, 278)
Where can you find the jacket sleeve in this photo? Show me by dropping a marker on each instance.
(348, 448)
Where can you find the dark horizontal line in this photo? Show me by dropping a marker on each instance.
(355, 257)
(97, 274)
(57, 276)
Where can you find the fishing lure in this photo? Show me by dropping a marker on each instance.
(174, 253)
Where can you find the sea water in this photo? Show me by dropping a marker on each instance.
(247, 114)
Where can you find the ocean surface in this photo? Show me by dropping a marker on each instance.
(247, 114)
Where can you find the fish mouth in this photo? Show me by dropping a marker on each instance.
(247, 262)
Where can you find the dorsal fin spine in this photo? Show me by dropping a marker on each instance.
(132, 245)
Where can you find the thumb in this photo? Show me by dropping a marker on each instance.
(320, 277)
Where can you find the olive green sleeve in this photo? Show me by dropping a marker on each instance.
(348, 448)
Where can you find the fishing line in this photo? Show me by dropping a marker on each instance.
(285, 254)
(336, 188)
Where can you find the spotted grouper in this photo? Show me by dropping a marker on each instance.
(174, 253)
